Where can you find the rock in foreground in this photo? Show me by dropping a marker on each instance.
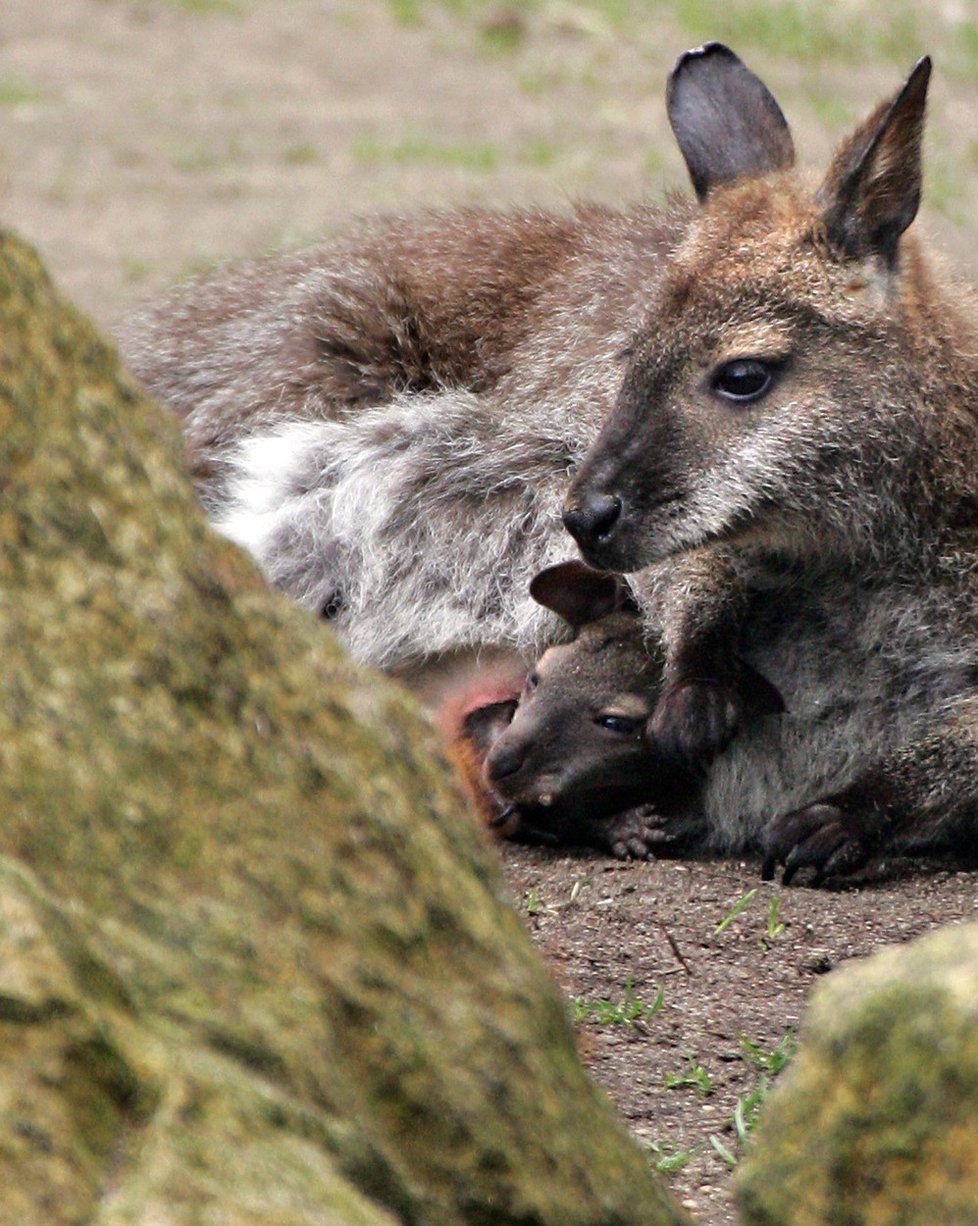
(877, 1120)
(255, 966)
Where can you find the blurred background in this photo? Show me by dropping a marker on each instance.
(143, 140)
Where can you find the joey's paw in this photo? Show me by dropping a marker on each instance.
(695, 720)
(829, 838)
(635, 834)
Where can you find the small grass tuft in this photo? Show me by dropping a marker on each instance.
(668, 1158)
(694, 1076)
(628, 1012)
(775, 926)
(729, 1158)
(739, 906)
(772, 1061)
(748, 1106)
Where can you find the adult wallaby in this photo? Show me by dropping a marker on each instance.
(805, 396)
(389, 424)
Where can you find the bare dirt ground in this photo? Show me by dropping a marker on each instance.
(141, 140)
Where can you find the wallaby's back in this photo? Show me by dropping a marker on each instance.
(458, 299)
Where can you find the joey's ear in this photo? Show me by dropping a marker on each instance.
(872, 190)
(726, 120)
(483, 726)
(580, 594)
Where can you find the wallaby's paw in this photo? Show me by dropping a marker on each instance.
(695, 720)
(635, 834)
(828, 838)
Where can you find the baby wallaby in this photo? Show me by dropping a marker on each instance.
(579, 759)
(804, 395)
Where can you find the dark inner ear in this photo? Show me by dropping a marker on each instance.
(726, 120)
(871, 192)
(580, 594)
(483, 726)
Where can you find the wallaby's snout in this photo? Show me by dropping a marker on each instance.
(591, 516)
(616, 485)
(601, 503)
(505, 759)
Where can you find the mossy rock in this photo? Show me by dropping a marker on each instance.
(877, 1119)
(256, 964)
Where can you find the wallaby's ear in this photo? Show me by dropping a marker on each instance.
(872, 190)
(483, 726)
(726, 120)
(579, 594)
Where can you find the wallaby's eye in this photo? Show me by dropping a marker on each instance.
(743, 380)
(531, 683)
(618, 723)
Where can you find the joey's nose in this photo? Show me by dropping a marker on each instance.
(503, 760)
(591, 518)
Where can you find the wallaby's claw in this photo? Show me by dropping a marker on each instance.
(696, 720)
(824, 837)
(635, 834)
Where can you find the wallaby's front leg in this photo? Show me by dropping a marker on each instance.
(696, 605)
(640, 833)
(925, 794)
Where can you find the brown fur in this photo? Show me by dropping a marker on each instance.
(447, 299)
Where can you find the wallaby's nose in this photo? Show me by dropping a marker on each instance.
(503, 760)
(592, 517)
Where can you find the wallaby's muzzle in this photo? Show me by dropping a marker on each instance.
(591, 518)
(601, 522)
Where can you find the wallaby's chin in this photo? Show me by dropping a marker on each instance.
(553, 801)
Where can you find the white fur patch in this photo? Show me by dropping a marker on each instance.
(422, 521)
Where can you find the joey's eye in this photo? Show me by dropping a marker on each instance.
(618, 723)
(531, 683)
(743, 380)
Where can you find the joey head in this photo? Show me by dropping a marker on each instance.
(580, 759)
